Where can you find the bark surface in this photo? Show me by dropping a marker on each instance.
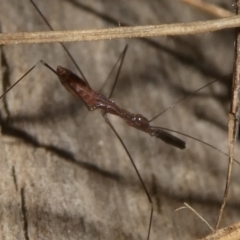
(64, 175)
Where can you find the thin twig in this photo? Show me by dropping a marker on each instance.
(194, 211)
(233, 121)
(120, 32)
(209, 8)
(229, 233)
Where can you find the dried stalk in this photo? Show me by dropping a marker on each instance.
(120, 32)
(209, 8)
(233, 122)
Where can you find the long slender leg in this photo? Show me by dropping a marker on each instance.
(182, 99)
(104, 114)
(120, 59)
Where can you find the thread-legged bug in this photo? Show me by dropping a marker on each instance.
(141, 152)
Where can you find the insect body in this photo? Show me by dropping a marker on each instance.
(81, 89)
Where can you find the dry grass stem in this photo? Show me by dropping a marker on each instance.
(233, 121)
(229, 233)
(194, 211)
(209, 8)
(120, 32)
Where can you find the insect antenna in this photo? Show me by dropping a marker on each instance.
(19, 80)
(64, 47)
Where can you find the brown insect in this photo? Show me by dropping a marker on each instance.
(93, 101)
(81, 89)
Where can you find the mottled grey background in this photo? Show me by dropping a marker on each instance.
(65, 165)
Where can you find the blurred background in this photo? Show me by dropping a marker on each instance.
(64, 173)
